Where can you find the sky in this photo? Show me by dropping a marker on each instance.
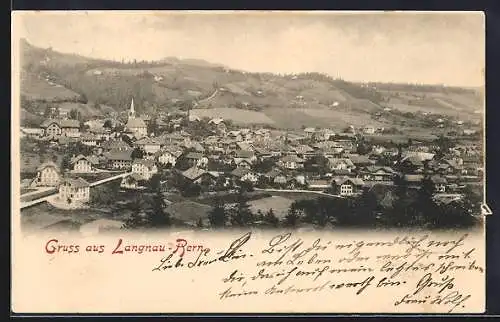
(429, 48)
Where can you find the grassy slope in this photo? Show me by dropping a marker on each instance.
(283, 101)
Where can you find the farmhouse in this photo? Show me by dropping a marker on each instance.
(149, 145)
(168, 156)
(291, 162)
(197, 159)
(132, 181)
(89, 139)
(336, 164)
(347, 186)
(243, 174)
(145, 168)
(55, 128)
(377, 173)
(47, 175)
(439, 183)
(74, 190)
(119, 159)
(197, 175)
(84, 164)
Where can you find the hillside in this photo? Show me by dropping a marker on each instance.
(284, 101)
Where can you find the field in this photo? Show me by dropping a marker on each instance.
(238, 116)
(339, 119)
(278, 204)
(35, 88)
(283, 101)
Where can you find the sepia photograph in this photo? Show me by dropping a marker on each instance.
(163, 131)
(215, 123)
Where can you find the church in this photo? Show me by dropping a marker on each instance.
(136, 125)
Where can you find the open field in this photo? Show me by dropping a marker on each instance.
(238, 116)
(36, 89)
(278, 204)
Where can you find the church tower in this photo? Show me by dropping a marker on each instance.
(131, 113)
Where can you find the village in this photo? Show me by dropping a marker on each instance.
(190, 157)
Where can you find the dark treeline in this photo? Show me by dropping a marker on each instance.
(404, 207)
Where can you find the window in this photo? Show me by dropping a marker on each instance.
(345, 189)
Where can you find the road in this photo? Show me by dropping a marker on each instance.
(300, 191)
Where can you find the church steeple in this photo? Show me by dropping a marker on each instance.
(131, 113)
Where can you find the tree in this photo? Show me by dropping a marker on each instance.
(242, 215)
(271, 218)
(155, 182)
(217, 216)
(108, 124)
(127, 139)
(156, 216)
(292, 218)
(74, 114)
(65, 163)
(137, 154)
(153, 126)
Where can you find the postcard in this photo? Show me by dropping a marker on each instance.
(248, 162)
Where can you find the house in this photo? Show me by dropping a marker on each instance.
(74, 190)
(117, 145)
(149, 145)
(243, 174)
(323, 135)
(55, 128)
(309, 131)
(102, 133)
(200, 176)
(360, 160)
(304, 151)
(168, 156)
(341, 164)
(369, 130)
(196, 146)
(197, 159)
(413, 164)
(318, 184)
(89, 139)
(439, 184)
(145, 168)
(246, 156)
(219, 124)
(262, 153)
(47, 175)
(280, 180)
(132, 181)
(31, 132)
(377, 173)
(413, 179)
(84, 164)
(291, 162)
(119, 159)
(347, 186)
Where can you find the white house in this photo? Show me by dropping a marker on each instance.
(132, 181)
(74, 190)
(291, 162)
(89, 139)
(168, 156)
(145, 168)
(84, 164)
(149, 145)
(47, 175)
(347, 186)
(369, 130)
